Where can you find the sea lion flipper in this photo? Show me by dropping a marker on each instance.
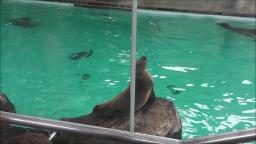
(79, 55)
(104, 112)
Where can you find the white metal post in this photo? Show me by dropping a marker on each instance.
(133, 65)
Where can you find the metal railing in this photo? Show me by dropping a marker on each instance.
(232, 137)
(63, 126)
(56, 125)
(133, 64)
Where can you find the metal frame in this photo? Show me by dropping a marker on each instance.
(232, 137)
(63, 126)
(133, 64)
(56, 125)
(132, 137)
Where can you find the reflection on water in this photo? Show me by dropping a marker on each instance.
(179, 69)
(246, 82)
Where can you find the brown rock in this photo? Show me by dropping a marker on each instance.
(157, 117)
(30, 138)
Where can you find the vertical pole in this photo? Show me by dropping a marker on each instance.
(133, 64)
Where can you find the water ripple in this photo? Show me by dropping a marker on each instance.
(179, 69)
(246, 82)
(201, 106)
(234, 120)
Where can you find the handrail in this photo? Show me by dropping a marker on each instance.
(231, 137)
(133, 64)
(57, 125)
(52, 135)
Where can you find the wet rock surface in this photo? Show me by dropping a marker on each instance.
(14, 134)
(157, 117)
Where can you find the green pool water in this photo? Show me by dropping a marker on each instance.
(212, 68)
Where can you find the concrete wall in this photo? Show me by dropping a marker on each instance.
(222, 7)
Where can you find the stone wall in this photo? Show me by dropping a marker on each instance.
(214, 6)
(220, 7)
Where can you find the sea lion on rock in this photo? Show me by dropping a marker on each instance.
(5, 104)
(11, 134)
(243, 31)
(121, 103)
(157, 117)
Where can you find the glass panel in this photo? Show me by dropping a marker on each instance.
(206, 68)
(60, 61)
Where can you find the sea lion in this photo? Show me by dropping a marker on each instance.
(173, 90)
(84, 77)
(79, 55)
(121, 103)
(5, 104)
(243, 31)
(24, 22)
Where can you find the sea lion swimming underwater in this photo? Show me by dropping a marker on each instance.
(79, 55)
(243, 31)
(24, 22)
(121, 103)
(173, 90)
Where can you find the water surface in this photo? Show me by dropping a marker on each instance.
(212, 69)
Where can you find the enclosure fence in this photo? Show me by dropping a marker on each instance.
(132, 137)
(133, 64)
(63, 126)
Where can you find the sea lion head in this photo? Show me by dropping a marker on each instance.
(5, 104)
(225, 25)
(96, 109)
(141, 66)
